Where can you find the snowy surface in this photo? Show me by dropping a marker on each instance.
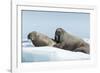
(38, 54)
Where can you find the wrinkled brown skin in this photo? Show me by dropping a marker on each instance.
(67, 41)
(39, 39)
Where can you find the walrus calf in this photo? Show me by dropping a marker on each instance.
(39, 39)
(69, 42)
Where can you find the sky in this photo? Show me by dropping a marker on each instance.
(47, 22)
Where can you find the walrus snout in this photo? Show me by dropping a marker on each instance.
(57, 38)
(58, 35)
(28, 36)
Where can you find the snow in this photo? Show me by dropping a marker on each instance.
(37, 54)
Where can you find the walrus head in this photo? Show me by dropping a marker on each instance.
(39, 39)
(32, 35)
(59, 35)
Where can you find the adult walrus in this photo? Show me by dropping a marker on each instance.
(69, 42)
(39, 39)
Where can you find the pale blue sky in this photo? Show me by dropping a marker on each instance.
(47, 22)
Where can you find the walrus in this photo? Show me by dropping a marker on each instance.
(70, 42)
(39, 39)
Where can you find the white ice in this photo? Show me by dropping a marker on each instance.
(38, 54)
(31, 54)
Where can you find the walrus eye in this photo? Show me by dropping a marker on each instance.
(59, 32)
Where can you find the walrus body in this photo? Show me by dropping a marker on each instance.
(39, 39)
(69, 42)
